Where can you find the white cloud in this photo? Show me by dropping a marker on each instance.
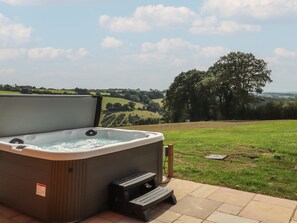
(111, 42)
(13, 32)
(42, 53)
(281, 52)
(7, 71)
(122, 24)
(53, 53)
(213, 52)
(175, 52)
(169, 45)
(43, 2)
(11, 53)
(147, 17)
(210, 25)
(254, 8)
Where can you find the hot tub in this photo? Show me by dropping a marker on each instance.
(62, 175)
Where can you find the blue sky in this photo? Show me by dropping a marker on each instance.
(141, 44)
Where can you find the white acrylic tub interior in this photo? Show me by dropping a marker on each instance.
(57, 145)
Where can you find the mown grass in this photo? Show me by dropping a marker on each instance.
(159, 101)
(58, 91)
(122, 101)
(9, 92)
(262, 156)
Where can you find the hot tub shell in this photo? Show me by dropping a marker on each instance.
(65, 187)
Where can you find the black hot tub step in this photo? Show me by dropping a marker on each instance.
(140, 205)
(135, 180)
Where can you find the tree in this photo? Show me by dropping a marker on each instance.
(131, 104)
(188, 97)
(109, 106)
(239, 78)
(153, 106)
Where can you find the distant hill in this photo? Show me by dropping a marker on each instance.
(280, 95)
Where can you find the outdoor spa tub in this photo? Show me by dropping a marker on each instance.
(57, 166)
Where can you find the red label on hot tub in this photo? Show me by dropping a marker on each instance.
(41, 189)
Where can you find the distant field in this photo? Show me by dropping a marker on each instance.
(9, 92)
(159, 100)
(122, 118)
(262, 155)
(123, 101)
(62, 91)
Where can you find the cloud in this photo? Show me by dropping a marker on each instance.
(255, 8)
(210, 25)
(214, 52)
(42, 53)
(13, 33)
(111, 42)
(281, 52)
(175, 52)
(53, 53)
(148, 17)
(43, 2)
(169, 45)
(7, 71)
(11, 53)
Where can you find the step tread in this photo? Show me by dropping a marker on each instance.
(152, 198)
(135, 180)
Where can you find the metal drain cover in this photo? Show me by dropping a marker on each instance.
(215, 156)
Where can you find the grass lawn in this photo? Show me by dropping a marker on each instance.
(122, 101)
(9, 92)
(62, 91)
(159, 100)
(262, 155)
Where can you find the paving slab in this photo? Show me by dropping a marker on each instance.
(295, 215)
(274, 200)
(187, 219)
(7, 212)
(230, 196)
(219, 217)
(166, 217)
(204, 191)
(111, 216)
(182, 187)
(267, 212)
(22, 219)
(229, 209)
(195, 207)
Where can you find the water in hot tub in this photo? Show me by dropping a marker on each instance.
(83, 144)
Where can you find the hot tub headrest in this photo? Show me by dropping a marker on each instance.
(27, 114)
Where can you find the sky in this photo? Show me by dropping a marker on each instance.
(141, 44)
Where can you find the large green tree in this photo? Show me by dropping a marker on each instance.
(226, 91)
(187, 97)
(240, 77)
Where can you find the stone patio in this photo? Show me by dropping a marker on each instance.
(197, 203)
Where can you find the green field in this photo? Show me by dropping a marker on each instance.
(262, 156)
(115, 120)
(159, 101)
(9, 92)
(56, 91)
(122, 101)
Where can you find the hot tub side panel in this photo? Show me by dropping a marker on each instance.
(64, 191)
(19, 176)
(52, 191)
(103, 170)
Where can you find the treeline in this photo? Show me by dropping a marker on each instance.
(113, 120)
(227, 90)
(130, 106)
(275, 109)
